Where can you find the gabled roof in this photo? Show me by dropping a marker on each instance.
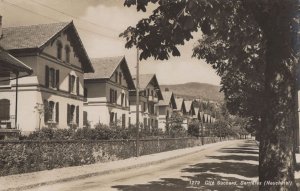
(105, 67)
(179, 103)
(145, 80)
(188, 105)
(167, 98)
(36, 37)
(8, 63)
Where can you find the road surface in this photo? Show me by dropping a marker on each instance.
(230, 166)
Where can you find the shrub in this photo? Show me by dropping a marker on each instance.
(194, 128)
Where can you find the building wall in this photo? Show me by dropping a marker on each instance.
(32, 89)
(98, 106)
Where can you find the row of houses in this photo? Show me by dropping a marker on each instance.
(63, 87)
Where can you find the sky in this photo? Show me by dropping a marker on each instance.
(99, 23)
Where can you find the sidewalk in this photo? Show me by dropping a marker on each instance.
(30, 180)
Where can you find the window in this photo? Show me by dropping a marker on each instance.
(123, 120)
(72, 114)
(4, 109)
(111, 117)
(51, 78)
(129, 122)
(113, 96)
(152, 92)
(51, 111)
(122, 99)
(148, 92)
(59, 50)
(120, 78)
(67, 49)
(72, 82)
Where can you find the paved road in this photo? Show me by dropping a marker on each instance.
(210, 169)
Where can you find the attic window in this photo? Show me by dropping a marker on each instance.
(67, 49)
(59, 50)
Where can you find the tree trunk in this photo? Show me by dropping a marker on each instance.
(276, 149)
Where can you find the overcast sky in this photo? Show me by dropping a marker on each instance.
(99, 23)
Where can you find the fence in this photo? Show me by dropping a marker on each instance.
(30, 156)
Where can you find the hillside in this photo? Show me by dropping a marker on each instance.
(196, 90)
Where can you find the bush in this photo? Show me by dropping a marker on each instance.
(194, 128)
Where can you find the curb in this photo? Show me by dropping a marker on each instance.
(105, 172)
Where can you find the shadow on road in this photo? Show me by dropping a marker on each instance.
(226, 167)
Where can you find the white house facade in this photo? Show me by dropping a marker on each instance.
(53, 95)
(107, 92)
(150, 95)
(165, 109)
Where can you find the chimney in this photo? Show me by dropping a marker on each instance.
(166, 89)
(0, 26)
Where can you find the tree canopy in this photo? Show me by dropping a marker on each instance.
(252, 46)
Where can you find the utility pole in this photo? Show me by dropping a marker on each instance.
(137, 101)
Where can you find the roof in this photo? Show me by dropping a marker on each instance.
(179, 103)
(8, 63)
(36, 37)
(106, 66)
(145, 80)
(167, 96)
(188, 105)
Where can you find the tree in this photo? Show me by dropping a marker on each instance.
(175, 128)
(251, 44)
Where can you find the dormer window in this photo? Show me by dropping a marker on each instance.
(67, 49)
(59, 50)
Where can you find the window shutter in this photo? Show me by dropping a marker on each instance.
(70, 83)
(116, 117)
(77, 85)
(46, 113)
(57, 79)
(47, 77)
(57, 112)
(116, 96)
(68, 114)
(77, 115)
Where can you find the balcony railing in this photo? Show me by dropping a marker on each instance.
(152, 99)
(8, 123)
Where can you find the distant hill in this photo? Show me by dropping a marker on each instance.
(196, 90)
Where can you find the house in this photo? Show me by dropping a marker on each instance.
(107, 91)
(150, 95)
(165, 109)
(53, 95)
(190, 110)
(181, 109)
(196, 116)
(10, 69)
